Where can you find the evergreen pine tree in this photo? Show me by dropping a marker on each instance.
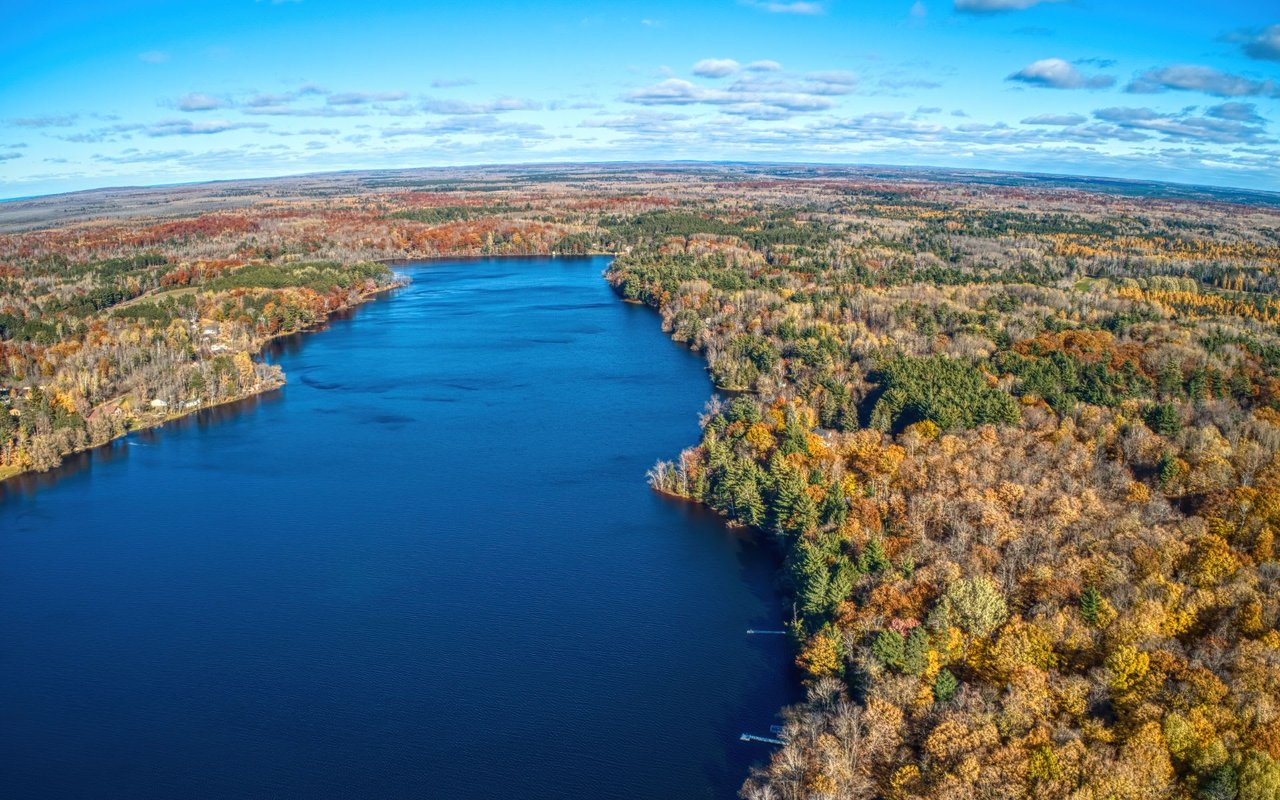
(872, 559)
(888, 648)
(915, 652)
(945, 686)
(835, 507)
(1090, 605)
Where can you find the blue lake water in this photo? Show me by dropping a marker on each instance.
(428, 567)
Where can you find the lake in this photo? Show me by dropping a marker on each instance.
(427, 567)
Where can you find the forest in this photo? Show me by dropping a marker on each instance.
(95, 346)
(1022, 460)
(1018, 445)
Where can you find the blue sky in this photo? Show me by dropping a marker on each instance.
(106, 94)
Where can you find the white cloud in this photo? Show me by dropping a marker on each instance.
(310, 111)
(1055, 119)
(716, 67)
(50, 121)
(1184, 126)
(1263, 44)
(1195, 78)
(835, 81)
(764, 65)
(199, 101)
(800, 7)
(907, 83)
(335, 104)
(462, 107)
(1240, 112)
(469, 124)
(135, 156)
(1055, 73)
(997, 6)
(308, 132)
(574, 105)
(360, 98)
(645, 122)
(757, 96)
(185, 127)
(675, 91)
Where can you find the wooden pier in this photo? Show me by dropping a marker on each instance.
(747, 737)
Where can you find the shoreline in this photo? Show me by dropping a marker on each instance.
(10, 473)
(259, 348)
(729, 522)
(401, 261)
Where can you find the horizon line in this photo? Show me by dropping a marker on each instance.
(1273, 195)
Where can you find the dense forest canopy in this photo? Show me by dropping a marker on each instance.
(1018, 444)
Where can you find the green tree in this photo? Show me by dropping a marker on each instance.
(1259, 777)
(1164, 419)
(792, 510)
(888, 648)
(975, 605)
(951, 393)
(1091, 605)
(945, 686)
(915, 651)
(743, 409)
(1221, 784)
(872, 560)
(1168, 469)
(1169, 380)
(812, 579)
(835, 507)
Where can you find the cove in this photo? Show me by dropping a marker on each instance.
(429, 566)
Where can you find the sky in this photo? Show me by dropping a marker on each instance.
(101, 93)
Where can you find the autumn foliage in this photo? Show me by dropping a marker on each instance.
(1019, 445)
